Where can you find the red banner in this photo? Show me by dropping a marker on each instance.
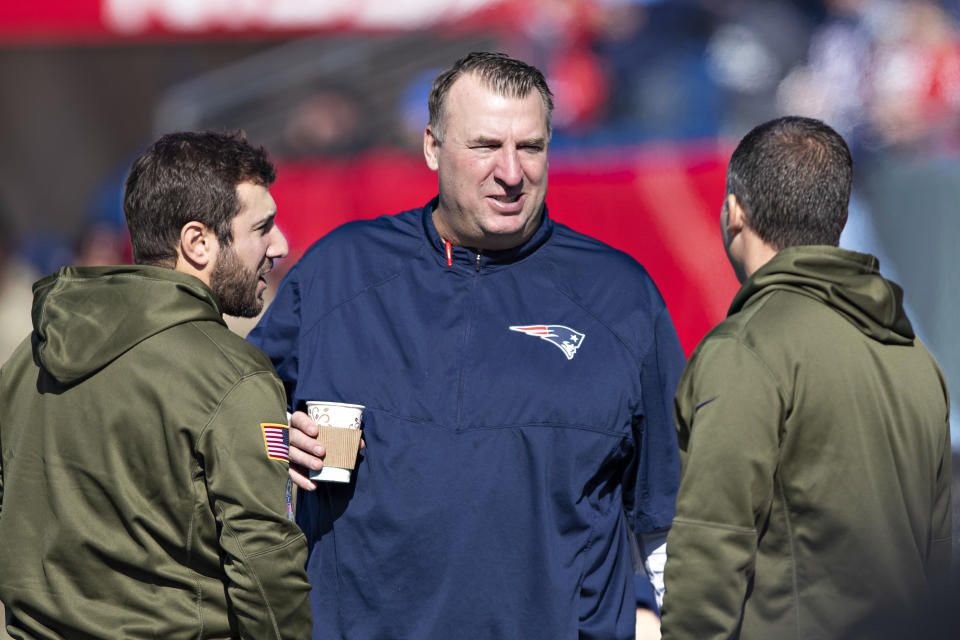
(98, 21)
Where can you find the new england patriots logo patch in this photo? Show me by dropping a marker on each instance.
(564, 338)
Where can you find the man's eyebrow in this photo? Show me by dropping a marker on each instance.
(496, 142)
(264, 220)
(532, 142)
(486, 141)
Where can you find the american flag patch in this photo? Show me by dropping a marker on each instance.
(276, 438)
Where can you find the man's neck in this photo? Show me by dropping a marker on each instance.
(484, 242)
(185, 266)
(758, 253)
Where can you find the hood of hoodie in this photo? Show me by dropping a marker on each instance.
(84, 318)
(846, 281)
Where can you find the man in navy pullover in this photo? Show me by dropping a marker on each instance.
(518, 381)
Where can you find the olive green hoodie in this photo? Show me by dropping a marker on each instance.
(137, 495)
(815, 446)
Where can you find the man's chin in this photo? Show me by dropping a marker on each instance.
(507, 236)
(247, 309)
(247, 312)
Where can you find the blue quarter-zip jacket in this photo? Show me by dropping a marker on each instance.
(518, 424)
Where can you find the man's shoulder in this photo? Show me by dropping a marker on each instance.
(212, 346)
(581, 250)
(352, 257)
(774, 315)
(773, 329)
(749, 325)
(596, 270)
(610, 284)
(388, 233)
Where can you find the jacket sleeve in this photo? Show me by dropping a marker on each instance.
(278, 332)
(242, 452)
(651, 479)
(1, 457)
(939, 561)
(1, 473)
(728, 412)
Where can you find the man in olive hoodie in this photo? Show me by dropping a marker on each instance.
(813, 424)
(144, 448)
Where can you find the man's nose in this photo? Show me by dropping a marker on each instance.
(508, 169)
(278, 244)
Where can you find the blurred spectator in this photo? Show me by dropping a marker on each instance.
(325, 122)
(580, 88)
(44, 251)
(916, 77)
(16, 290)
(655, 54)
(885, 72)
(412, 112)
(557, 36)
(832, 84)
(103, 238)
(753, 47)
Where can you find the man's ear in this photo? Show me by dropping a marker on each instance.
(198, 245)
(736, 218)
(431, 148)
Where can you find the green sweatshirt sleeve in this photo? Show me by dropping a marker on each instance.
(728, 411)
(1, 472)
(941, 544)
(1, 462)
(263, 551)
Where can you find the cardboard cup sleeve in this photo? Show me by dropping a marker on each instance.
(342, 446)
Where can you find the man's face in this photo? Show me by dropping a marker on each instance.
(239, 276)
(492, 166)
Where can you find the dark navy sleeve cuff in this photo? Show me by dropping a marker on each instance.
(646, 596)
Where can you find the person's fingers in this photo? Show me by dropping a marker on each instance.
(306, 451)
(302, 423)
(301, 480)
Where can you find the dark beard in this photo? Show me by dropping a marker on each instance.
(236, 286)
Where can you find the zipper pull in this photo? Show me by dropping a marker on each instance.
(449, 247)
(477, 269)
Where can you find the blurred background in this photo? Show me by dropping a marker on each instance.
(651, 97)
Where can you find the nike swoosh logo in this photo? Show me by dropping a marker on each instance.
(705, 403)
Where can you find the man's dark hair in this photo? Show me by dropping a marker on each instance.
(792, 177)
(186, 176)
(499, 72)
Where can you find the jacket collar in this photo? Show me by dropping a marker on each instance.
(848, 282)
(465, 257)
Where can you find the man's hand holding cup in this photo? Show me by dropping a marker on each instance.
(309, 450)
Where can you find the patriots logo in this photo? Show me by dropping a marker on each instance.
(564, 338)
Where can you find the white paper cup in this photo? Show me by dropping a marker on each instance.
(340, 433)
